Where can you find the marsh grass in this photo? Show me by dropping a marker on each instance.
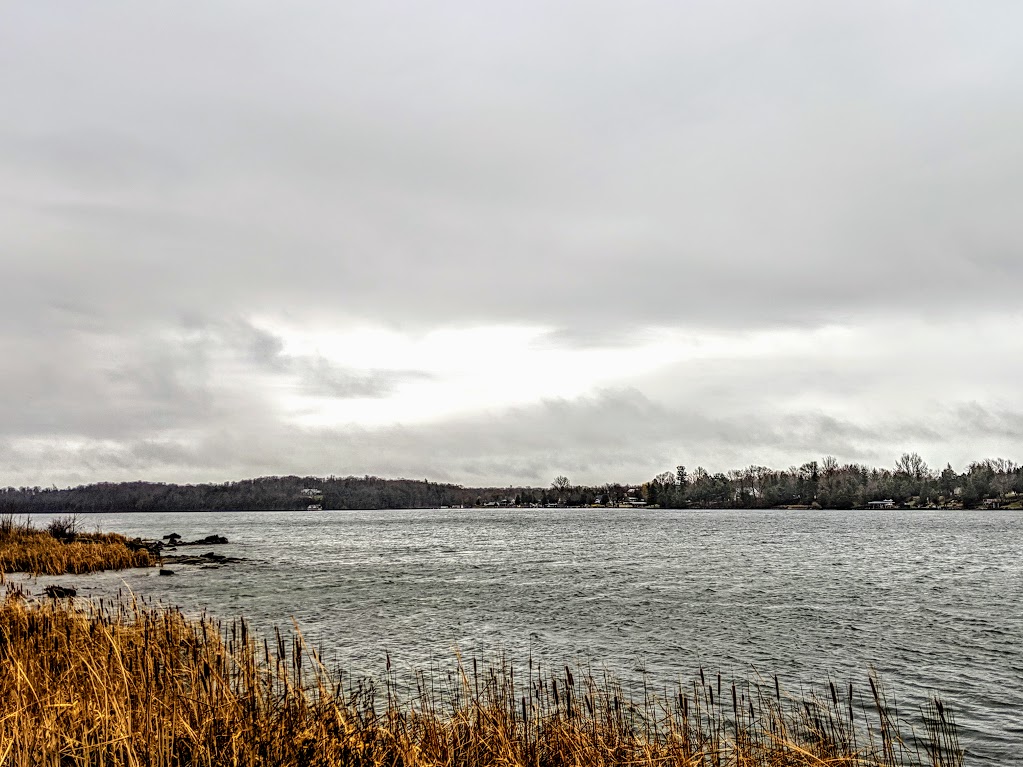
(61, 548)
(132, 684)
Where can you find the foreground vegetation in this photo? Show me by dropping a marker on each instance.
(135, 685)
(823, 484)
(61, 548)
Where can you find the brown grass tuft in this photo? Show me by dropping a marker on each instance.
(62, 549)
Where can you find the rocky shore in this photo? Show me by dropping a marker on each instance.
(162, 549)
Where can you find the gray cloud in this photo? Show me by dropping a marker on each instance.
(683, 167)
(315, 374)
(614, 435)
(596, 171)
(192, 378)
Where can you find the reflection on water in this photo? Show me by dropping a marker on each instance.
(930, 599)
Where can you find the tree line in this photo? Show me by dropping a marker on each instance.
(261, 494)
(815, 484)
(830, 485)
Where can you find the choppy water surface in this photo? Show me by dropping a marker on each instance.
(932, 600)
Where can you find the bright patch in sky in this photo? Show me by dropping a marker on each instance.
(469, 370)
(461, 371)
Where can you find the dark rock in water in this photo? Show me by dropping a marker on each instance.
(166, 572)
(172, 538)
(209, 558)
(209, 540)
(139, 544)
(60, 592)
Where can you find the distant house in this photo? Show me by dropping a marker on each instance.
(992, 503)
(311, 492)
(633, 498)
(887, 503)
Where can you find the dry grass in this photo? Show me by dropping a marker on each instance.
(135, 685)
(62, 549)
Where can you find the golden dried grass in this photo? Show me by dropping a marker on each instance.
(62, 549)
(135, 685)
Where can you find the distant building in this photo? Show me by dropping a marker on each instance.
(887, 503)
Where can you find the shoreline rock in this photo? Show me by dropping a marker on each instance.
(209, 558)
(156, 548)
(160, 550)
(209, 540)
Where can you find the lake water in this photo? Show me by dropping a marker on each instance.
(932, 600)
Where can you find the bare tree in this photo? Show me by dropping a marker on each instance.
(561, 483)
(666, 478)
(911, 464)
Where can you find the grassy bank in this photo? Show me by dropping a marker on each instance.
(135, 685)
(61, 548)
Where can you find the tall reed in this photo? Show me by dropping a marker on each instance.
(129, 684)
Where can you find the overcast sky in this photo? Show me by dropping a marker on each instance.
(490, 243)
